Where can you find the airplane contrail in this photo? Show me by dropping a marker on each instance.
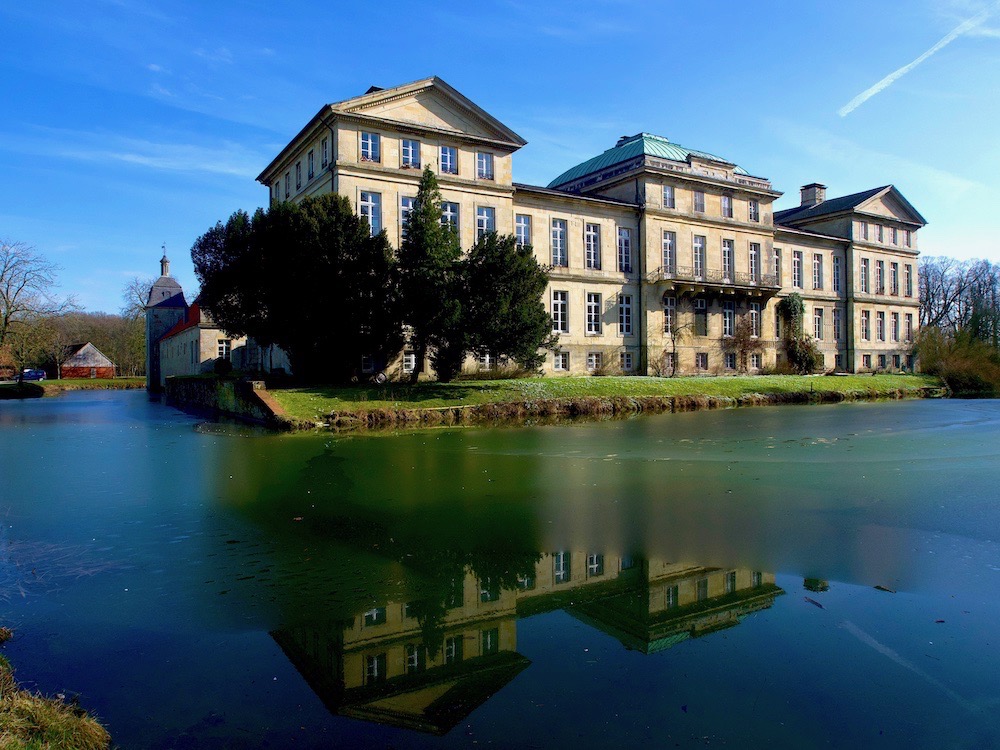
(886, 82)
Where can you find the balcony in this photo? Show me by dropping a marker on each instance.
(688, 279)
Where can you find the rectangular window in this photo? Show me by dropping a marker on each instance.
(669, 314)
(409, 362)
(907, 238)
(371, 209)
(880, 277)
(324, 151)
(626, 361)
(730, 582)
(592, 245)
(894, 235)
(374, 616)
(594, 361)
(908, 279)
(559, 254)
(881, 361)
(700, 317)
(777, 266)
(702, 587)
(894, 278)
(561, 567)
(838, 324)
(836, 274)
(866, 325)
(449, 160)
(754, 262)
(864, 230)
(449, 215)
(728, 317)
(371, 147)
(288, 184)
(727, 260)
(453, 649)
(699, 257)
(625, 315)
(818, 323)
(225, 349)
(894, 326)
(908, 328)
(668, 197)
(522, 230)
(375, 668)
(880, 325)
(489, 590)
(701, 361)
(755, 318)
(879, 232)
(311, 161)
(409, 154)
(753, 210)
(624, 250)
(491, 641)
(486, 221)
(484, 165)
(756, 361)
(560, 361)
(699, 201)
(863, 280)
(797, 269)
(560, 312)
(866, 361)
(593, 313)
(727, 206)
(670, 599)
(669, 252)
(526, 582)
(416, 660)
(405, 209)
(817, 271)
(298, 175)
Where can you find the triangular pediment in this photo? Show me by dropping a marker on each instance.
(890, 204)
(431, 103)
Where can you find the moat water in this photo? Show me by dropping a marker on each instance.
(774, 577)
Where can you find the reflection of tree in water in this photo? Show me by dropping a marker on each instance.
(41, 567)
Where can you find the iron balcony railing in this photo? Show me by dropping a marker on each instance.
(713, 276)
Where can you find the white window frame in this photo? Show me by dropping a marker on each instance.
(838, 324)
(863, 275)
(522, 229)
(698, 256)
(698, 201)
(880, 325)
(669, 252)
(406, 205)
(866, 325)
(593, 312)
(484, 165)
(370, 207)
(560, 361)
(818, 323)
(450, 215)
(560, 253)
(449, 160)
(669, 314)
(753, 211)
(624, 250)
(728, 318)
(311, 164)
(486, 221)
(595, 361)
(625, 315)
(728, 260)
(324, 152)
(753, 261)
(371, 147)
(836, 274)
(727, 206)
(409, 153)
(817, 271)
(625, 360)
(797, 269)
(669, 197)
(592, 246)
(560, 311)
(755, 319)
(409, 361)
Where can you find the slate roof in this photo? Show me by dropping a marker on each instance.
(832, 206)
(628, 148)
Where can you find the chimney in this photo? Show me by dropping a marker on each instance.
(812, 194)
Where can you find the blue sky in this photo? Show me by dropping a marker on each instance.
(131, 123)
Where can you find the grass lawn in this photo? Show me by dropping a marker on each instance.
(312, 404)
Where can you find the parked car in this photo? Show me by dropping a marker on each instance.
(29, 374)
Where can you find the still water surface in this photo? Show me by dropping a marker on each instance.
(675, 580)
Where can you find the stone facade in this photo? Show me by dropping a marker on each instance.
(656, 251)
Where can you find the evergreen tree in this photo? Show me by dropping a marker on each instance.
(430, 283)
(504, 314)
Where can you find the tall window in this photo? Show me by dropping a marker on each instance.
(625, 361)
(324, 152)
(416, 658)
(311, 161)
(592, 245)
(561, 567)
(727, 260)
(879, 233)
(700, 317)
(625, 315)
(669, 314)
(755, 318)
(908, 327)
(908, 279)
(405, 209)
(699, 257)
(491, 641)
(755, 261)
(225, 349)
(777, 266)
(818, 323)
(449, 215)
(288, 184)
(907, 238)
(560, 312)
(453, 649)
(484, 165)
(727, 206)
(371, 147)
(753, 210)
(559, 256)
(593, 313)
(880, 277)
(880, 325)
(864, 230)
(894, 278)
(669, 201)
(866, 325)
(797, 269)
(728, 317)
(836, 274)
(699, 201)
(409, 153)
(371, 209)
(486, 221)
(449, 160)
(298, 175)
(522, 230)
(863, 280)
(669, 252)
(817, 271)
(624, 250)
(894, 326)
(894, 235)
(375, 668)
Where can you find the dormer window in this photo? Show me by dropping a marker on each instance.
(371, 147)
(484, 166)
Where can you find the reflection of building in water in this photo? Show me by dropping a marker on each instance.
(427, 665)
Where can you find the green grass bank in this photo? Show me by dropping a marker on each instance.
(40, 388)
(533, 399)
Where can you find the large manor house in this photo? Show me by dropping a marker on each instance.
(655, 252)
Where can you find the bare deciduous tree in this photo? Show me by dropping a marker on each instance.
(135, 294)
(26, 283)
